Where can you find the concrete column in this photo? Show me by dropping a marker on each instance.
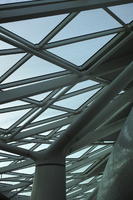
(49, 181)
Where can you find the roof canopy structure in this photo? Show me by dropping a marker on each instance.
(66, 85)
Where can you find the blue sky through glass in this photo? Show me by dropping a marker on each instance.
(34, 30)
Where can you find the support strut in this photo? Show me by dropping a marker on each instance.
(50, 178)
(117, 179)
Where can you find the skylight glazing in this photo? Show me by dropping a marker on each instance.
(42, 63)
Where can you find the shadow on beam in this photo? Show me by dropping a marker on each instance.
(3, 197)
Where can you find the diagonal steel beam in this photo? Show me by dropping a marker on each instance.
(108, 93)
(85, 137)
(89, 159)
(34, 89)
(44, 128)
(19, 42)
(97, 134)
(16, 186)
(33, 80)
(16, 150)
(67, 41)
(16, 166)
(80, 38)
(22, 11)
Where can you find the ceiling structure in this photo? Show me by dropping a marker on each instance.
(58, 58)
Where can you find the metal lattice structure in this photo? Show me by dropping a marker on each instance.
(58, 105)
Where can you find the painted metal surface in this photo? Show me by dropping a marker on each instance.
(117, 179)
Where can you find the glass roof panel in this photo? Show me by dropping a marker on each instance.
(98, 147)
(80, 52)
(91, 190)
(6, 154)
(12, 104)
(79, 153)
(27, 146)
(94, 21)
(63, 127)
(5, 45)
(35, 66)
(7, 175)
(34, 30)
(76, 101)
(42, 146)
(82, 85)
(6, 163)
(28, 170)
(87, 180)
(10, 182)
(7, 119)
(48, 114)
(12, 1)
(8, 61)
(82, 169)
(57, 112)
(74, 191)
(125, 12)
(45, 133)
(25, 193)
(40, 97)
